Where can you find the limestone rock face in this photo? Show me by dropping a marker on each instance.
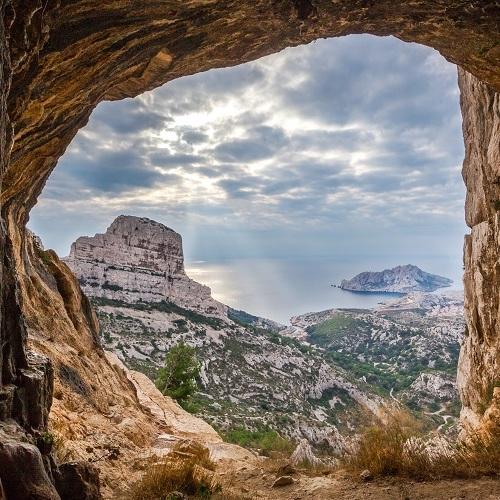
(479, 365)
(138, 259)
(436, 384)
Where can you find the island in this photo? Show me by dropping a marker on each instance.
(400, 279)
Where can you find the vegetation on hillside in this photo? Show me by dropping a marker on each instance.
(163, 306)
(266, 440)
(177, 378)
(399, 448)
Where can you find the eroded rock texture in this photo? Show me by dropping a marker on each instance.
(479, 367)
(60, 58)
(139, 259)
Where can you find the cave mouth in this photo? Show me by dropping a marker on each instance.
(376, 151)
(61, 60)
(329, 144)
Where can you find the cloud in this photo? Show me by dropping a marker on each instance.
(167, 159)
(328, 138)
(194, 137)
(132, 117)
(106, 171)
(260, 142)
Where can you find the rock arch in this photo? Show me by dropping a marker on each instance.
(60, 58)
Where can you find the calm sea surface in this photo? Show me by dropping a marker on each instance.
(279, 289)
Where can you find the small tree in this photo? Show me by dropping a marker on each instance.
(178, 377)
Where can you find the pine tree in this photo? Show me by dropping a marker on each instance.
(177, 378)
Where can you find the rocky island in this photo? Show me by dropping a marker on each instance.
(399, 279)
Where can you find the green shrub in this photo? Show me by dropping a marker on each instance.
(109, 286)
(44, 255)
(266, 439)
(177, 378)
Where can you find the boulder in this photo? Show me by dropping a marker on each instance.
(22, 472)
(283, 481)
(304, 455)
(365, 475)
(78, 481)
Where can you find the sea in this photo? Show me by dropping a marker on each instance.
(278, 289)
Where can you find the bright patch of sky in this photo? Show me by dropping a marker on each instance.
(348, 146)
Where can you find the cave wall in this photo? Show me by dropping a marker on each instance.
(479, 365)
(59, 59)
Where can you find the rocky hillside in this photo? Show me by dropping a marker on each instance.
(406, 349)
(251, 375)
(400, 279)
(320, 379)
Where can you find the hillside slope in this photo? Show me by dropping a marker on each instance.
(255, 374)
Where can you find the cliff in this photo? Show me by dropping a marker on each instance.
(139, 259)
(102, 414)
(400, 279)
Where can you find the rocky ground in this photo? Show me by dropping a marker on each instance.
(246, 483)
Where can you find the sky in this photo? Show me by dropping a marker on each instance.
(348, 146)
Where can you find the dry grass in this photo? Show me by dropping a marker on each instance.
(398, 448)
(281, 466)
(187, 469)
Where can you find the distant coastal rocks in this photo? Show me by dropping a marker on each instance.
(400, 280)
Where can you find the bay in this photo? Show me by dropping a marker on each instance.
(281, 288)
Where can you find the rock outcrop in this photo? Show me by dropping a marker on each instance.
(59, 59)
(138, 259)
(399, 279)
(479, 365)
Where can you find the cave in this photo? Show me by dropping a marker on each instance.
(59, 60)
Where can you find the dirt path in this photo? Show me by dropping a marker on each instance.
(256, 484)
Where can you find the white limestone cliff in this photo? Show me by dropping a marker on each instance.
(138, 259)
